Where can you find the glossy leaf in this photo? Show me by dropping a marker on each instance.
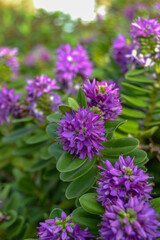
(81, 98)
(81, 185)
(56, 150)
(54, 117)
(56, 212)
(115, 147)
(85, 219)
(112, 125)
(132, 113)
(73, 104)
(64, 108)
(67, 163)
(51, 130)
(89, 203)
(137, 102)
(70, 176)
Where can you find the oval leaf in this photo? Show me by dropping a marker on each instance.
(90, 204)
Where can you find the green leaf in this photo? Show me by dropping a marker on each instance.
(56, 150)
(154, 123)
(39, 165)
(26, 185)
(54, 117)
(12, 218)
(130, 127)
(90, 204)
(26, 119)
(18, 134)
(39, 137)
(134, 72)
(81, 185)
(132, 113)
(112, 125)
(137, 102)
(64, 108)
(28, 149)
(139, 155)
(73, 103)
(51, 173)
(131, 87)
(84, 219)
(15, 229)
(51, 130)
(115, 147)
(70, 176)
(148, 133)
(81, 98)
(56, 212)
(156, 204)
(66, 163)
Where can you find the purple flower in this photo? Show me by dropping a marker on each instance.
(8, 104)
(41, 98)
(82, 133)
(146, 34)
(62, 228)
(131, 220)
(103, 96)
(40, 85)
(72, 62)
(145, 27)
(120, 52)
(39, 53)
(130, 10)
(124, 180)
(8, 57)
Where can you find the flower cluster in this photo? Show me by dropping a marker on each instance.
(8, 58)
(146, 34)
(72, 62)
(41, 97)
(103, 96)
(39, 53)
(130, 10)
(8, 104)
(123, 180)
(62, 228)
(82, 133)
(134, 219)
(124, 191)
(120, 52)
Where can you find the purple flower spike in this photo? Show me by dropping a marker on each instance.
(146, 34)
(72, 62)
(131, 220)
(62, 229)
(8, 104)
(82, 133)
(40, 85)
(41, 98)
(120, 52)
(145, 27)
(124, 180)
(39, 53)
(8, 57)
(105, 97)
